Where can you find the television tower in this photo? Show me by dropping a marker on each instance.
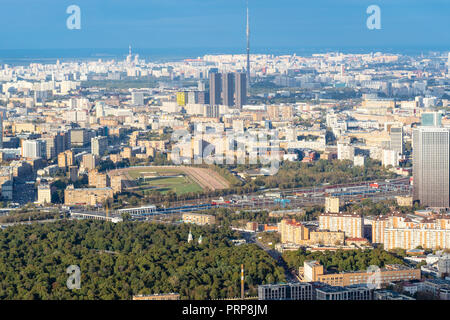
(248, 51)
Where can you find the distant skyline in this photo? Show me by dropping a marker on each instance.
(196, 26)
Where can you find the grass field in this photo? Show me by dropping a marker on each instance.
(163, 180)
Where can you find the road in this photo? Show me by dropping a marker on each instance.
(251, 238)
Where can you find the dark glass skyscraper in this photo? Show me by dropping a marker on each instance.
(228, 89)
(215, 88)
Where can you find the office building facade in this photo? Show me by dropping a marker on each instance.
(431, 166)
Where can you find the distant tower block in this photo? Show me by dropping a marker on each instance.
(200, 240)
(190, 238)
(332, 205)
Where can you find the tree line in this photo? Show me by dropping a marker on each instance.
(120, 260)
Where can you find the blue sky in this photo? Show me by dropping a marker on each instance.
(168, 24)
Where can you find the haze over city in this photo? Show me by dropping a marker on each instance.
(250, 151)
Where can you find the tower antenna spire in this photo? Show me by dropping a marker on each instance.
(248, 49)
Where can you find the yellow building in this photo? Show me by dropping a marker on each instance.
(404, 201)
(115, 157)
(44, 194)
(326, 238)
(98, 180)
(198, 218)
(86, 196)
(117, 182)
(400, 231)
(127, 153)
(351, 224)
(280, 113)
(332, 205)
(181, 98)
(312, 271)
(65, 159)
(293, 232)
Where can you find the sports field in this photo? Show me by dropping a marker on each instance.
(180, 179)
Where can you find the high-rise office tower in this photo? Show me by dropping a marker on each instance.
(228, 89)
(240, 90)
(215, 88)
(431, 166)
(396, 136)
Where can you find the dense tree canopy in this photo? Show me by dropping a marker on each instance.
(120, 260)
(298, 174)
(343, 260)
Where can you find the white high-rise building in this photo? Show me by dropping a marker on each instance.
(431, 166)
(34, 149)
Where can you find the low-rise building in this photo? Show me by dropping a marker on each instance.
(197, 218)
(86, 196)
(353, 292)
(286, 291)
(390, 295)
(313, 271)
(44, 194)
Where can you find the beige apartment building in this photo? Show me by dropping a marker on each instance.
(197, 218)
(332, 205)
(294, 232)
(86, 196)
(277, 113)
(351, 224)
(44, 194)
(99, 180)
(409, 232)
(65, 159)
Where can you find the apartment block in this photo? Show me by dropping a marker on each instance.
(411, 231)
(86, 196)
(294, 232)
(351, 224)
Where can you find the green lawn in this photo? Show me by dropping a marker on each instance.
(163, 180)
(179, 185)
